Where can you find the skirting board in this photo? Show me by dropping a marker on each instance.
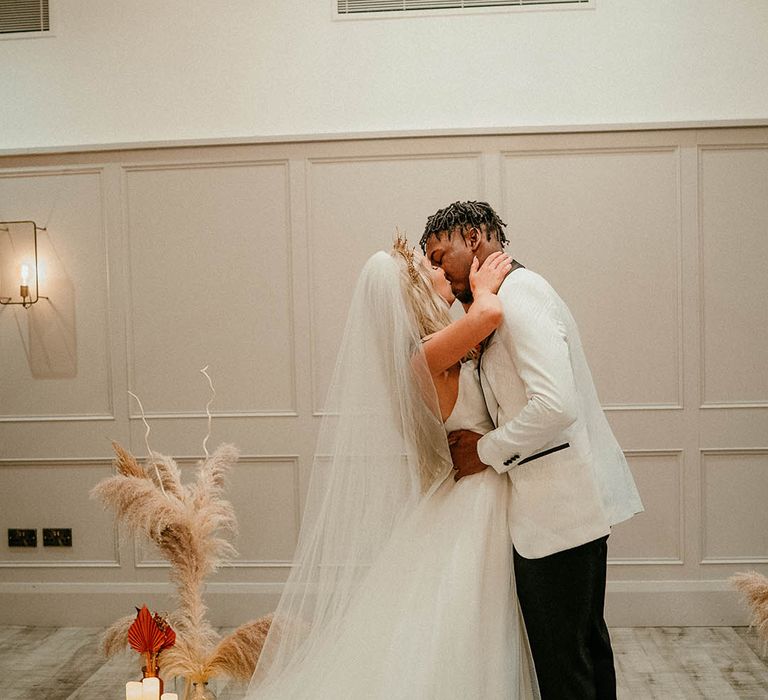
(628, 603)
(100, 604)
(674, 604)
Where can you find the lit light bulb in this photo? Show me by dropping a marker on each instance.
(25, 275)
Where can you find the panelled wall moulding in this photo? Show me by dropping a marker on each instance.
(360, 207)
(678, 557)
(144, 558)
(741, 515)
(42, 516)
(396, 187)
(228, 286)
(675, 221)
(54, 211)
(754, 218)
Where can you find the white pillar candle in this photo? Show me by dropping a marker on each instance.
(150, 689)
(133, 690)
(169, 696)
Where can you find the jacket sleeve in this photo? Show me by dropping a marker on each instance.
(536, 342)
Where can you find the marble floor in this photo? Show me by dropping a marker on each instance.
(43, 663)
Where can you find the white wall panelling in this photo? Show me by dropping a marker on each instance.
(263, 489)
(627, 241)
(243, 257)
(734, 484)
(211, 272)
(656, 536)
(74, 322)
(39, 494)
(733, 220)
(399, 192)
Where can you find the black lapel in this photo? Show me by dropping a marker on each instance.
(480, 375)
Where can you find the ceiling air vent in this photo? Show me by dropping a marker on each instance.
(23, 16)
(370, 7)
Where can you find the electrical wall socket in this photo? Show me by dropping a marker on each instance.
(21, 537)
(57, 537)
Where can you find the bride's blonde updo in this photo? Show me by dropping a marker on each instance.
(428, 308)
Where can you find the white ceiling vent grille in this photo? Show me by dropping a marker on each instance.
(369, 7)
(20, 16)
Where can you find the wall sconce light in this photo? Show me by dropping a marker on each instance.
(21, 265)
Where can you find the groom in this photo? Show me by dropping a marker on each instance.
(570, 480)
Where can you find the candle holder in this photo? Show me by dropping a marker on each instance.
(155, 673)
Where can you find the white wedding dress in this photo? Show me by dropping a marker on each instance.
(436, 617)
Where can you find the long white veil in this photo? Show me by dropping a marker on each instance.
(382, 448)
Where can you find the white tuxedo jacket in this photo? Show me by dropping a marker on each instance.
(570, 480)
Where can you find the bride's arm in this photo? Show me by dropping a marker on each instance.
(446, 347)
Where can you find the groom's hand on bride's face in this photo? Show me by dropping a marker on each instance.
(463, 444)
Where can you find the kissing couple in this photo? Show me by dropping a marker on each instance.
(464, 485)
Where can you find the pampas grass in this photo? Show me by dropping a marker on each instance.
(236, 655)
(754, 586)
(115, 639)
(188, 524)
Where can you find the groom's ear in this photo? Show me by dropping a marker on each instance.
(474, 238)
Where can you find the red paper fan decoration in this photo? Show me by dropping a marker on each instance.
(144, 635)
(170, 635)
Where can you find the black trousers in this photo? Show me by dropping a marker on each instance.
(562, 598)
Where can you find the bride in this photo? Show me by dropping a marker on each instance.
(402, 587)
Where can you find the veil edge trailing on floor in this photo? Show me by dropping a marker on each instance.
(381, 449)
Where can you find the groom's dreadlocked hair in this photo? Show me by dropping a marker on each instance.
(464, 215)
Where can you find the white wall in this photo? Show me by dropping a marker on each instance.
(146, 71)
(160, 261)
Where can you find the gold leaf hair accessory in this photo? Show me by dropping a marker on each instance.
(401, 247)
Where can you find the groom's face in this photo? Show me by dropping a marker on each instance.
(454, 256)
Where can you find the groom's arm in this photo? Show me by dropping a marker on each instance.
(536, 343)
